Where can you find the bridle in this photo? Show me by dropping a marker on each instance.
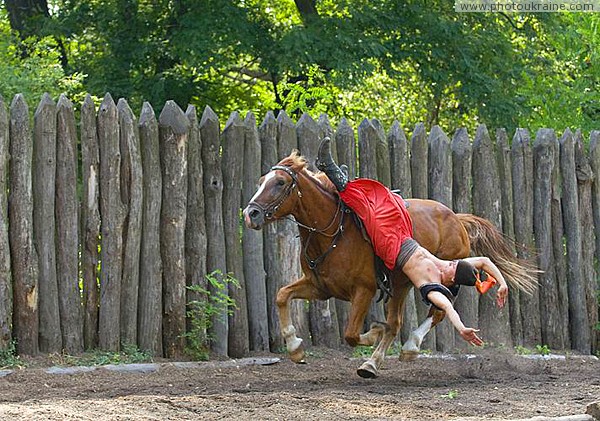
(272, 207)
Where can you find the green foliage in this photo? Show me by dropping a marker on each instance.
(542, 349)
(9, 358)
(411, 61)
(130, 354)
(211, 302)
(521, 350)
(452, 394)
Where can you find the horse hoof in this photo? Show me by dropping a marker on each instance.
(297, 355)
(409, 355)
(367, 370)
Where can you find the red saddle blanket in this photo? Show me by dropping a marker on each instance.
(385, 217)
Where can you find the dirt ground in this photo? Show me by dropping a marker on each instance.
(493, 384)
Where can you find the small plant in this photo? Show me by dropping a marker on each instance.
(129, 354)
(9, 357)
(521, 350)
(362, 351)
(452, 394)
(542, 349)
(201, 311)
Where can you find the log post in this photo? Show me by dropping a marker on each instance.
(173, 128)
(585, 178)
(132, 196)
(508, 227)
(578, 321)
(150, 292)
(195, 223)
(215, 235)
(494, 322)
(522, 178)
(23, 253)
(6, 290)
(232, 141)
(67, 229)
(44, 222)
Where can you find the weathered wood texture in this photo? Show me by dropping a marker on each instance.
(195, 225)
(43, 179)
(6, 291)
(150, 297)
(486, 203)
(112, 213)
(232, 141)
(503, 157)
(579, 323)
(23, 254)
(216, 266)
(522, 178)
(67, 229)
(173, 137)
(90, 222)
(131, 195)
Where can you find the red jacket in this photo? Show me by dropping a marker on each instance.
(385, 217)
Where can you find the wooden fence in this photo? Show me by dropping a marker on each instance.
(107, 218)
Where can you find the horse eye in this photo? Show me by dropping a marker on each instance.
(280, 182)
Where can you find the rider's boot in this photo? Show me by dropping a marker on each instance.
(326, 164)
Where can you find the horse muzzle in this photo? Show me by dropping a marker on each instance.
(254, 216)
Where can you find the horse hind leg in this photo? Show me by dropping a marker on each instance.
(370, 368)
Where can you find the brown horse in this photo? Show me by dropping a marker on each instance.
(339, 261)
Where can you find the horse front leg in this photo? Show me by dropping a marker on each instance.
(359, 307)
(370, 368)
(412, 347)
(301, 289)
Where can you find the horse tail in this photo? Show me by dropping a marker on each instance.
(487, 240)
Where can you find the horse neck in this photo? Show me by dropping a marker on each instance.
(316, 207)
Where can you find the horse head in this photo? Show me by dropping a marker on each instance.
(274, 198)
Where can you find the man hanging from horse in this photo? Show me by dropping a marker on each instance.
(389, 227)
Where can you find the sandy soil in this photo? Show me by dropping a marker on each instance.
(491, 385)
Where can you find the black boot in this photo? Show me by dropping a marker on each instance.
(326, 164)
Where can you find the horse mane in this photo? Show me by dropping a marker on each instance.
(299, 163)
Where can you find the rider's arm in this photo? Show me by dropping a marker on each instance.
(443, 303)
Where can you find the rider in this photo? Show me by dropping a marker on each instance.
(389, 226)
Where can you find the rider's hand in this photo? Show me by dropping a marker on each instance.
(469, 334)
(501, 295)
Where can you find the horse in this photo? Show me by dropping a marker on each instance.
(338, 259)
